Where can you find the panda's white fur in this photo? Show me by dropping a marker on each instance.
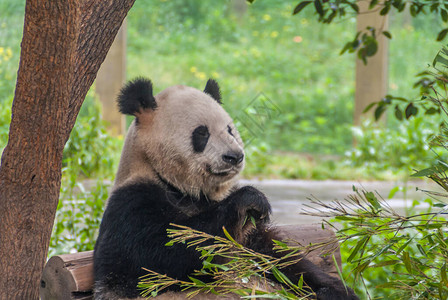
(156, 147)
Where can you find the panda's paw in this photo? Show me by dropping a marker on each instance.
(250, 202)
(327, 293)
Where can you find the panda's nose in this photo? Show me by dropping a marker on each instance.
(233, 158)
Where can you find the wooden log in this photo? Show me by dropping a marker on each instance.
(70, 276)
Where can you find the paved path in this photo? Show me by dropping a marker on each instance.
(288, 196)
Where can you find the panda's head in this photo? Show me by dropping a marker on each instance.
(182, 137)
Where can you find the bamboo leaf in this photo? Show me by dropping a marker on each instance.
(389, 285)
(386, 263)
(422, 251)
(443, 275)
(280, 276)
(196, 281)
(228, 236)
(280, 243)
(362, 267)
(426, 172)
(372, 200)
(393, 192)
(300, 283)
(404, 246)
(440, 59)
(407, 261)
(358, 246)
(252, 219)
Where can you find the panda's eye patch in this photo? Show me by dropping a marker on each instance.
(229, 130)
(200, 138)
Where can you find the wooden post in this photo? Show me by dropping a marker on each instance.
(239, 8)
(109, 81)
(371, 79)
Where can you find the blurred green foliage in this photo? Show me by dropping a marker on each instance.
(90, 151)
(282, 56)
(265, 51)
(79, 214)
(365, 43)
(291, 59)
(90, 161)
(400, 150)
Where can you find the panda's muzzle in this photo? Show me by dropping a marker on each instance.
(233, 158)
(232, 162)
(220, 174)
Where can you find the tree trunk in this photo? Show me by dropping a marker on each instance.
(64, 43)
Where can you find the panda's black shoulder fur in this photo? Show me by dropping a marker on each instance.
(136, 96)
(133, 235)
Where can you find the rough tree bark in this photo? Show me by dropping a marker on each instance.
(64, 43)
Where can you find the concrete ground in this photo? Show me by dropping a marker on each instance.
(288, 197)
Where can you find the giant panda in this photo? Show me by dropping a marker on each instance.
(179, 164)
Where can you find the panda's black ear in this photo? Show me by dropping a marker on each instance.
(212, 88)
(136, 96)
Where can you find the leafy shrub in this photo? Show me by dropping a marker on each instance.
(401, 149)
(90, 150)
(395, 256)
(89, 153)
(390, 256)
(78, 216)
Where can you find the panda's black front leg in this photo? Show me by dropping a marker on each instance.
(242, 208)
(234, 213)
